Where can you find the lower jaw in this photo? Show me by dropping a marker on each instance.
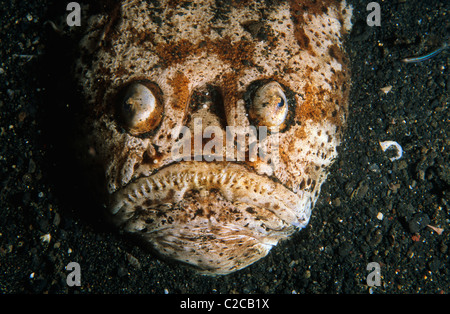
(212, 234)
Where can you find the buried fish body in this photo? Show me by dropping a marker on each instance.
(151, 69)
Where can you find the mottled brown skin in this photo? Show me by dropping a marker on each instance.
(203, 60)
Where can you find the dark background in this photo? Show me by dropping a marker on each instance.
(41, 192)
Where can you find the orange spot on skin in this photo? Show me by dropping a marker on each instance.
(180, 85)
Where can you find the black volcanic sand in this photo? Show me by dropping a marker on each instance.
(41, 193)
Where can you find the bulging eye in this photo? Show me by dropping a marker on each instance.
(140, 110)
(269, 106)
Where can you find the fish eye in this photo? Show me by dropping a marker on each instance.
(269, 106)
(139, 108)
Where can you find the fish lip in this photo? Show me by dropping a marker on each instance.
(280, 200)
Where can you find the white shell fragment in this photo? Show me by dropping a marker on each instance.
(386, 89)
(387, 144)
(46, 238)
(436, 229)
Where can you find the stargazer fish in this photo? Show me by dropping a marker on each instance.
(215, 122)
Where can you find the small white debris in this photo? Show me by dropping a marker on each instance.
(46, 238)
(380, 216)
(386, 89)
(31, 275)
(387, 144)
(436, 229)
(166, 291)
(133, 261)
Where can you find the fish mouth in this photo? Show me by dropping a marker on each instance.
(234, 182)
(197, 212)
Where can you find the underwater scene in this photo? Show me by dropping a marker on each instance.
(224, 147)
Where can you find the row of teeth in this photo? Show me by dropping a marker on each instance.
(234, 184)
(181, 181)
